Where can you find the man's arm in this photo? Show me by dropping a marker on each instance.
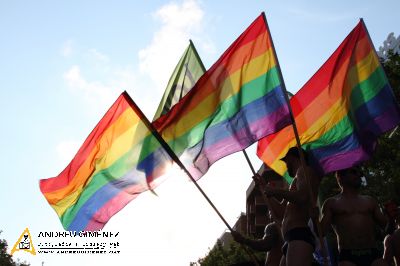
(301, 193)
(278, 208)
(388, 254)
(326, 219)
(381, 219)
(265, 244)
(270, 239)
(297, 196)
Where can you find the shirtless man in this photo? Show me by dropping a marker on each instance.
(271, 242)
(392, 243)
(353, 218)
(299, 240)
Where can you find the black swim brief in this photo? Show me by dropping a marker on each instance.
(298, 233)
(360, 257)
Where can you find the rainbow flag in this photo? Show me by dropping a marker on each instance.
(238, 101)
(235, 103)
(104, 175)
(340, 111)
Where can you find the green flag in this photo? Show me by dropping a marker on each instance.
(186, 73)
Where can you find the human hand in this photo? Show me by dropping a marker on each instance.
(257, 179)
(270, 191)
(237, 236)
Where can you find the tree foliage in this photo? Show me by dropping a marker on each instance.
(234, 254)
(5, 258)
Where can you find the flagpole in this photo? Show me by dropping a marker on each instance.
(173, 156)
(298, 143)
(176, 159)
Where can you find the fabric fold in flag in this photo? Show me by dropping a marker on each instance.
(104, 175)
(235, 103)
(340, 111)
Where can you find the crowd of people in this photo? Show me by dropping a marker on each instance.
(299, 226)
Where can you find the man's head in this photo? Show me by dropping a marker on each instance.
(392, 210)
(292, 160)
(350, 177)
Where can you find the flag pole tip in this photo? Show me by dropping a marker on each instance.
(153, 192)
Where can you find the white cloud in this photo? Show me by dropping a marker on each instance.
(67, 48)
(98, 56)
(180, 22)
(101, 92)
(98, 82)
(95, 92)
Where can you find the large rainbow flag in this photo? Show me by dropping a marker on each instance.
(340, 111)
(103, 176)
(235, 103)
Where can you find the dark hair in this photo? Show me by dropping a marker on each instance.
(342, 172)
(294, 151)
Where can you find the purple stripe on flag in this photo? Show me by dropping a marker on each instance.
(236, 141)
(344, 160)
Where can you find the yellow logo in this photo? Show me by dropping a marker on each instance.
(24, 243)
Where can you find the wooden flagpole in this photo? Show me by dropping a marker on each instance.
(296, 133)
(181, 165)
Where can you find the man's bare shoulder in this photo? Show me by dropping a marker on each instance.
(331, 200)
(371, 201)
(272, 232)
(396, 235)
(308, 175)
(395, 238)
(309, 171)
(271, 228)
(368, 198)
(334, 199)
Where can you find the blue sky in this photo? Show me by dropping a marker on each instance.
(62, 64)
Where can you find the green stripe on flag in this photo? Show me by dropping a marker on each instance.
(187, 72)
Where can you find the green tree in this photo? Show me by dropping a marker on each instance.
(217, 256)
(5, 258)
(231, 255)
